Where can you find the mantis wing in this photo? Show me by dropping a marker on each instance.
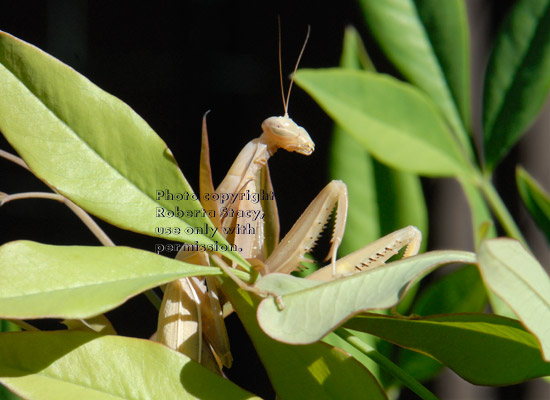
(269, 205)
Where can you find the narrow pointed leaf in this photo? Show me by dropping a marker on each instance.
(458, 292)
(483, 349)
(518, 279)
(83, 365)
(381, 199)
(446, 24)
(393, 120)
(350, 163)
(480, 214)
(92, 147)
(98, 324)
(401, 201)
(317, 370)
(536, 199)
(75, 282)
(401, 33)
(312, 309)
(517, 79)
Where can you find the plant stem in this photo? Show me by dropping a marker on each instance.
(14, 159)
(501, 212)
(153, 298)
(79, 212)
(403, 376)
(24, 325)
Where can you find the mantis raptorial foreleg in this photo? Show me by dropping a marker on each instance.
(303, 235)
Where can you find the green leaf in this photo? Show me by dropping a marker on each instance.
(457, 292)
(381, 200)
(393, 120)
(517, 78)
(376, 194)
(400, 32)
(401, 200)
(336, 341)
(83, 365)
(77, 282)
(98, 324)
(7, 326)
(312, 309)
(483, 349)
(354, 54)
(350, 163)
(460, 291)
(517, 278)
(93, 148)
(480, 214)
(446, 24)
(316, 371)
(535, 198)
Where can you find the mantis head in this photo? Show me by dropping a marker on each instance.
(284, 132)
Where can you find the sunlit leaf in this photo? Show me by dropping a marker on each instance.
(431, 52)
(518, 279)
(93, 148)
(76, 282)
(393, 120)
(83, 365)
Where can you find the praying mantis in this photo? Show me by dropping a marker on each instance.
(189, 307)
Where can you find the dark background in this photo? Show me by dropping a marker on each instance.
(173, 61)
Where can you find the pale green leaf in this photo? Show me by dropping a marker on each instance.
(400, 32)
(312, 309)
(518, 279)
(93, 148)
(394, 121)
(75, 282)
(83, 365)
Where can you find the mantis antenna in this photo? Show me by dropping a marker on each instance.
(285, 101)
